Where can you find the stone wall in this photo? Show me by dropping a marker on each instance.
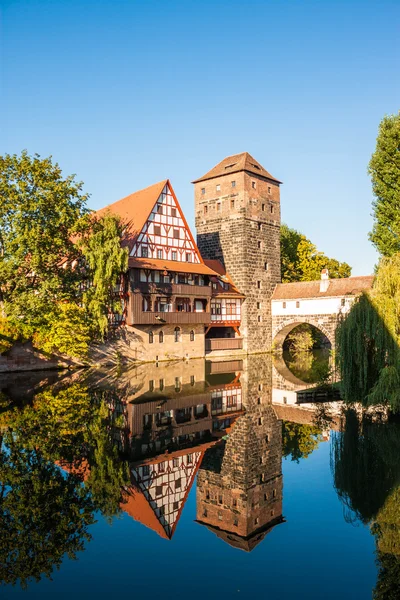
(241, 227)
(283, 325)
(24, 357)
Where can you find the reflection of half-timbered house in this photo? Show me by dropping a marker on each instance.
(168, 306)
(172, 421)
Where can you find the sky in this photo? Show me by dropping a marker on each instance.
(125, 93)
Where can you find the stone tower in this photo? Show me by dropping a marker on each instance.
(237, 208)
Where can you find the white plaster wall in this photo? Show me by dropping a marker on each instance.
(311, 306)
(279, 396)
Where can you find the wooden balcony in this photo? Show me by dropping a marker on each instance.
(173, 289)
(224, 344)
(170, 318)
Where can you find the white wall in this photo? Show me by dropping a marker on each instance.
(311, 306)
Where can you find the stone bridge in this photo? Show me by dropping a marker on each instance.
(323, 304)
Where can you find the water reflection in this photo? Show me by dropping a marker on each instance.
(87, 444)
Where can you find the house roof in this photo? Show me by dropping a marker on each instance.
(347, 286)
(139, 508)
(235, 163)
(170, 265)
(135, 209)
(219, 268)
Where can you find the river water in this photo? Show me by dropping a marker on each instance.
(201, 480)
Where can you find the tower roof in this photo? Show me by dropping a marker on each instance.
(236, 163)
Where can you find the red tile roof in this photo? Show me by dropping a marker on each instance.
(219, 268)
(348, 286)
(234, 164)
(170, 265)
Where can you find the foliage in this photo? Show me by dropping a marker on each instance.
(384, 168)
(300, 260)
(40, 211)
(368, 342)
(44, 514)
(299, 441)
(388, 584)
(300, 339)
(67, 331)
(50, 251)
(9, 334)
(106, 261)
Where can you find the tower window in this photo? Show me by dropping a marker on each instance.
(151, 385)
(269, 190)
(232, 204)
(173, 212)
(266, 266)
(272, 209)
(259, 244)
(203, 190)
(233, 183)
(218, 187)
(260, 226)
(218, 206)
(205, 210)
(161, 337)
(259, 318)
(267, 439)
(253, 185)
(177, 334)
(258, 305)
(259, 285)
(192, 336)
(262, 206)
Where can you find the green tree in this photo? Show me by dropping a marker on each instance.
(301, 261)
(368, 342)
(106, 259)
(384, 168)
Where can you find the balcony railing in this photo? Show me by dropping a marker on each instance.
(224, 344)
(174, 289)
(171, 318)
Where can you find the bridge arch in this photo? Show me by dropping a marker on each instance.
(282, 327)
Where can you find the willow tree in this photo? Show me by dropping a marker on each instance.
(106, 260)
(368, 341)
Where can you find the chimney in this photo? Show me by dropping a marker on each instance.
(324, 283)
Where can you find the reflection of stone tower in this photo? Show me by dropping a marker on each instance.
(239, 484)
(238, 222)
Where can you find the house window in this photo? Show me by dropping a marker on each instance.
(232, 204)
(159, 209)
(175, 505)
(218, 187)
(253, 185)
(151, 385)
(203, 190)
(297, 304)
(161, 384)
(178, 484)
(151, 337)
(283, 304)
(188, 257)
(176, 234)
(177, 384)
(173, 212)
(161, 467)
(145, 252)
(191, 335)
(189, 459)
(157, 230)
(284, 399)
(174, 255)
(175, 462)
(177, 334)
(205, 210)
(159, 253)
(343, 302)
(233, 183)
(158, 490)
(259, 285)
(145, 470)
(161, 337)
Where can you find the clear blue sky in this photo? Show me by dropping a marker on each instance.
(126, 93)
